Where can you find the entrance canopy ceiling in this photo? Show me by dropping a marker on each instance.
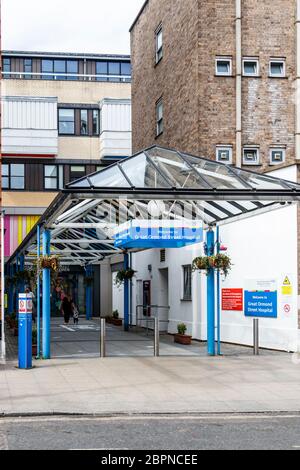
(156, 183)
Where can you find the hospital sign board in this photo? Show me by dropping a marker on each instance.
(261, 298)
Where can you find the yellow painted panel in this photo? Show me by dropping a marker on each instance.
(20, 229)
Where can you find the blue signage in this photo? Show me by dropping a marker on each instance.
(261, 304)
(158, 234)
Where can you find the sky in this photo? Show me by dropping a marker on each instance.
(95, 26)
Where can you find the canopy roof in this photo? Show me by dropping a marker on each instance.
(82, 217)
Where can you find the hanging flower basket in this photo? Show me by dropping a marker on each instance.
(123, 275)
(219, 261)
(50, 262)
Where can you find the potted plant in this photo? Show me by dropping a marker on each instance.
(34, 341)
(115, 318)
(124, 274)
(108, 319)
(49, 262)
(219, 261)
(181, 337)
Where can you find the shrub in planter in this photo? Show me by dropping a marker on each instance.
(115, 318)
(124, 274)
(181, 337)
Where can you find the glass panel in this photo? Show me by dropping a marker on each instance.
(112, 177)
(101, 69)
(83, 122)
(72, 67)
(218, 176)
(114, 69)
(66, 121)
(6, 67)
(125, 68)
(17, 182)
(78, 169)
(60, 68)
(250, 68)
(159, 39)
(259, 181)
(50, 170)
(4, 170)
(60, 177)
(177, 170)
(223, 67)
(50, 183)
(142, 174)
(27, 68)
(47, 66)
(277, 69)
(95, 122)
(17, 170)
(5, 182)
(80, 184)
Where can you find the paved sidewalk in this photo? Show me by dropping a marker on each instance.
(270, 382)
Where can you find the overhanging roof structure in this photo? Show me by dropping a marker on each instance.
(82, 217)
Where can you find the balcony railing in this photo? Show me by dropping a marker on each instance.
(66, 77)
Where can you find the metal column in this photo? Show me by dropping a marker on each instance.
(46, 298)
(156, 337)
(88, 294)
(256, 337)
(102, 337)
(210, 240)
(126, 294)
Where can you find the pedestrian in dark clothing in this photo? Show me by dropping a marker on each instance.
(66, 308)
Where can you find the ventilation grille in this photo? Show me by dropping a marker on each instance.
(162, 256)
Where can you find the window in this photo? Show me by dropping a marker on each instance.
(28, 68)
(101, 69)
(96, 122)
(277, 156)
(159, 44)
(277, 68)
(162, 256)
(187, 282)
(159, 118)
(66, 119)
(47, 67)
(72, 68)
(13, 176)
(60, 69)
(126, 70)
(223, 66)
(224, 154)
(251, 156)
(53, 177)
(114, 69)
(83, 122)
(6, 67)
(76, 172)
(250, 67)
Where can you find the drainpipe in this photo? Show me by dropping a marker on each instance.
(297, 87)
(238, 36)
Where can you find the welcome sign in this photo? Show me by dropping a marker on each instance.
(158, 234)
(261, 298)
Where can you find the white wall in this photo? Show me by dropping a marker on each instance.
(29, 125)
(261, 247)
(115, 136)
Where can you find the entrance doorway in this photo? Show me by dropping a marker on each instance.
(163, 299)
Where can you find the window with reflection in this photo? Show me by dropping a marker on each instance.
(83, 122)
(66, 118)
(76, 172)
(102, 69)
(13, 176)
(6, 67)
(28, 68)
(96, 124)
(114, 69)
(47, 67)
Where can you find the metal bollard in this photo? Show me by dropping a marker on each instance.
(102, 337)
(256, 337)
(156, 337)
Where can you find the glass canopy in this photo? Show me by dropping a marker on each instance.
(159, 168)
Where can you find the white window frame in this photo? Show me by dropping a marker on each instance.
(159, 122)
(158, 50)
(277, 149)
(183, 296)
(224, 148)
(249, 147)
(278, 61)
(223, 59)
(256, 61)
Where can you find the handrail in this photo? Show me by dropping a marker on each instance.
(56, 75)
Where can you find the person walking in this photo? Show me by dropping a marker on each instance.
(75, 313)
(66, 308)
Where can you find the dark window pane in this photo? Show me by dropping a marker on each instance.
(47, 66)
(27, 68)
(83, 122)
(101, 69)
(114, 69)
(6, 67)
(72, 67)
(95, 122)
(76, 172)
(125, 68)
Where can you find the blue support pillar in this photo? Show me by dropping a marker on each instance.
(11, 291)
(126, 294)
(88, 294)
(16, 300)
(218, 298)
(38, 293)
(210, 241)
(46, 298)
